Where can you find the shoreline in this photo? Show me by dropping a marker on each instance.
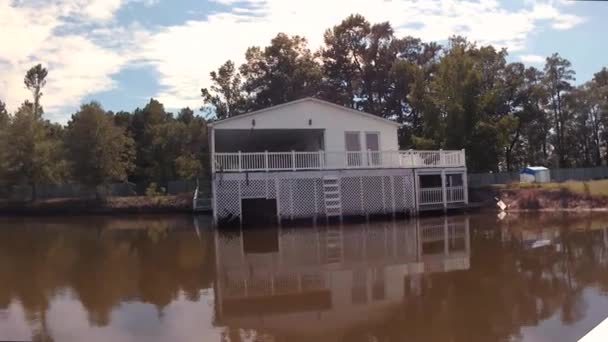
(539, 199)
(133, 205)
(525, 200)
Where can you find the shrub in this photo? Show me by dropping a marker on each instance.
(153, 190)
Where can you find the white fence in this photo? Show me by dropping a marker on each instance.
(324, 160)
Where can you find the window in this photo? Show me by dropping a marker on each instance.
(353, 149)
(372, 145)
(454, 180)
(430, 181)
(353, 143)
(372, 141)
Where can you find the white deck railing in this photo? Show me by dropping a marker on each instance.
(434, 196)
(324, 160)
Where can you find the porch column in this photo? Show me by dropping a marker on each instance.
(446, 237)
(416, 192)
(444, 191)
(467, 241)
(213, 189)
(212, 150)
(465, 183)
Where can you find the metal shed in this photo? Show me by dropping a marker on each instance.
(535, 174)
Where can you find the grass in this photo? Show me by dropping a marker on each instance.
(592, 187)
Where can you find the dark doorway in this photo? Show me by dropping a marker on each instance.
(259, 212)
(430, 181)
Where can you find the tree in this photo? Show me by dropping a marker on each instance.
(558, 74)
(225, 97)
(31, 155)
(185, 115)
(141, 129)
(3, 115)
(188, 167)
(343, 55)
(35, 80)
(99, 151)
(284, 71)
(166, 146)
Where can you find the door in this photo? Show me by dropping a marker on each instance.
(372, 146)
(353, 149)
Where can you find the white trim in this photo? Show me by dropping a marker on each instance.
(306, 99)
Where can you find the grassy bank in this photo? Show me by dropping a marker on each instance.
(570, 195)
(111, 205)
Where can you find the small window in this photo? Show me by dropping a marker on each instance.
(454, 180)
(353, 143)
(430, 181)
(372, 141)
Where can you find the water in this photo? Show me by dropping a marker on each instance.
(461, 278)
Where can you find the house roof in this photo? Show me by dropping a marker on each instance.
(306, 99)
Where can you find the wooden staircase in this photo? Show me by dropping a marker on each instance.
(332, 196)
(201, 203)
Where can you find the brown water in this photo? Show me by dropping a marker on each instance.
(461, 278)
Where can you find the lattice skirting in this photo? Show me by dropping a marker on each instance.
(300, 194)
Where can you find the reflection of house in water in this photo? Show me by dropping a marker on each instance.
(340, 275)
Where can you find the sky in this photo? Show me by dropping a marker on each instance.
(124, 52)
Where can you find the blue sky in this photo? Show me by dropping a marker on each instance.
(123, 52)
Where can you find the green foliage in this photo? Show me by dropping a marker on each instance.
(30, 154)
(285, 70)
(225, 96)
(3, 115)
(153, 190)
(99, 151)
(188, 167)
(35, 80)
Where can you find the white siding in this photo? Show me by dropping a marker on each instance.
(334, 120)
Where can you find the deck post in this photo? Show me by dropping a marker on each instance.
(240, 162)
(467, 240)
(212, 150)
(465, 188)
(416, 191)
(277, 191)
(441, 157)
(411, 152)
(266, 159)
(444, 191)
(446, 237)
(463, 158)
(321, 161)
(293, 160)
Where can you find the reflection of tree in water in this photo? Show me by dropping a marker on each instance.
(102, 267)
(508, 287)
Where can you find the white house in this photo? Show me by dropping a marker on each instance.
(312, 158)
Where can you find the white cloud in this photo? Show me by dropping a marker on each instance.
(83, 63)
(185, 54)
(78, 64)
(532, 59)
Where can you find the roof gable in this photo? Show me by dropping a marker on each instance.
(307, 99)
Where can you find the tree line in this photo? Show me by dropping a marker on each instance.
(452, 96)
(98, 147)
(460, 95)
